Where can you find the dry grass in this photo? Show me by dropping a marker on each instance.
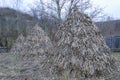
(5, 58)
(117, 55)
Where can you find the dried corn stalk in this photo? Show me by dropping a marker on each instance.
(81, 51)
(35, 55)
(18, 45)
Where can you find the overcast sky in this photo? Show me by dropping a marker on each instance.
(111, 7)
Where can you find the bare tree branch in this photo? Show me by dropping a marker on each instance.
(61, 8)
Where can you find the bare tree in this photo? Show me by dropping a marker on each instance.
(86, 6)
(17, 4)
(57, 6)
(61, 8)
(83, 5)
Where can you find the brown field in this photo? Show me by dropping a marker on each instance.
(7, 65)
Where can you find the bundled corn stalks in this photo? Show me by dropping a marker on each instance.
(34, 55)
(16, 48)
(81, 52)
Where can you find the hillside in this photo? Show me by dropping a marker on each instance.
(13, 23)
(11, 13)
(109, 28)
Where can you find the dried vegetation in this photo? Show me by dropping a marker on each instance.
(80, 53)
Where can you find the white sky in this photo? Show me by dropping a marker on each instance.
(111, 7)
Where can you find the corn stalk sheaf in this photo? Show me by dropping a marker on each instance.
(79, 53)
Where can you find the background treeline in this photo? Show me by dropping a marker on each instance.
(49, 15)
(14, 23)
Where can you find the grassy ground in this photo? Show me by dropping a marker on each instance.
(7, 63)
(117, 55)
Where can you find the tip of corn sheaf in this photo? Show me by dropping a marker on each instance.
(81, 50)
(16, 48)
